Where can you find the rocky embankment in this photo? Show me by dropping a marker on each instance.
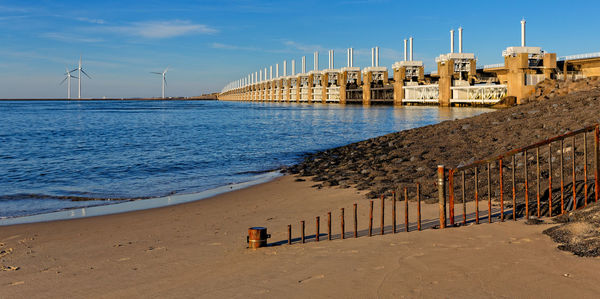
(578, 232)
(385, 163)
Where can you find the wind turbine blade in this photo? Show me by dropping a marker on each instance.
(166, 70)
(63, 81)
(156, 73)
(72, 70)
(86, 74)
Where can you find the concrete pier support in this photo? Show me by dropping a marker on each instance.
(324, 83)
(310, 85)
(446, 72)
(406, 71)
(366, 87)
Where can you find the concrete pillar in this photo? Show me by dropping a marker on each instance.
(273, 86)
(549, 65)
(298, 81)
(517, 67)
(342, 79)
(446, 72)
(324, 83)
(366, 87)
(399, 78)
(310, 85)
(288, 87)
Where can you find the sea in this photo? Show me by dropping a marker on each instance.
(74, 155)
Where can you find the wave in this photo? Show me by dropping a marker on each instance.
(29, 196)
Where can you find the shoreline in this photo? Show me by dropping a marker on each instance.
(199, 249)
(125, 206)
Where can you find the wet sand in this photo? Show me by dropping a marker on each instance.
(198, 249)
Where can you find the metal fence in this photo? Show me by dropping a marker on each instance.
(554, 201)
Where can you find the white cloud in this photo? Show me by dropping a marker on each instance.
(65, 37)
(162, 29)
(303, 47)
(233, 47)
(89, 20)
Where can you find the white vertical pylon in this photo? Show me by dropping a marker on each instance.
(348, 57)
(276, 70)
(316, 61)
(285, 68)
(377, 56)
(351, 57)
(452, 41)
(411, 48)
(460, 30)
(523, 33)
(293, 67)
(372, 56)
(303, 64)
(405, 50)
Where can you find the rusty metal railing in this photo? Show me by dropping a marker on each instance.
(499, 159)
(449, 180)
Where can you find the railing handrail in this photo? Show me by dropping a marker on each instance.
(420, 86)
(579, 56)
(525, 148)
(479, 86)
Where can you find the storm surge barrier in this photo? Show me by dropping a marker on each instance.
(509, 186)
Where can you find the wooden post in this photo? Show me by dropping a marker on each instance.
(406, 208)
(476, 195)
(355, 222)
(526, 187)
(371, 219)
(382, 213)
(418, 206)
(537, 161)
(463, 199)
(342, 223)
(549, 180)
(303, 238)
(442, 195)
(394, 212)
(573, 158)
(489, 187)
(514, 190)
(596, 164)
(562, 178)
(329, 226)
(451, 195)
(289, 234)
(501, 193)
(317, 234)
(585, 176)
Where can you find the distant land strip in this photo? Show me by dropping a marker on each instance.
(211, 97)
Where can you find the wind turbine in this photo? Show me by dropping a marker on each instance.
(80, 70)
(164, 80)
(68, 79)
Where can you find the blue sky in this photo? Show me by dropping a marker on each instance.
(209, 43)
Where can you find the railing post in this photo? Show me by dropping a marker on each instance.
(442, 195)
(596, 164)
(451, 195)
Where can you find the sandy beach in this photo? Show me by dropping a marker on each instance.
(198, 249)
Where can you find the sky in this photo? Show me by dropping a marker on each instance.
(207, 44)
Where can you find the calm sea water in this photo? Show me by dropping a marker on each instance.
(61, 155)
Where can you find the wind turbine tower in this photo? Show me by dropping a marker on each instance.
(68, 79)
(164, 80)
(80, 70)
